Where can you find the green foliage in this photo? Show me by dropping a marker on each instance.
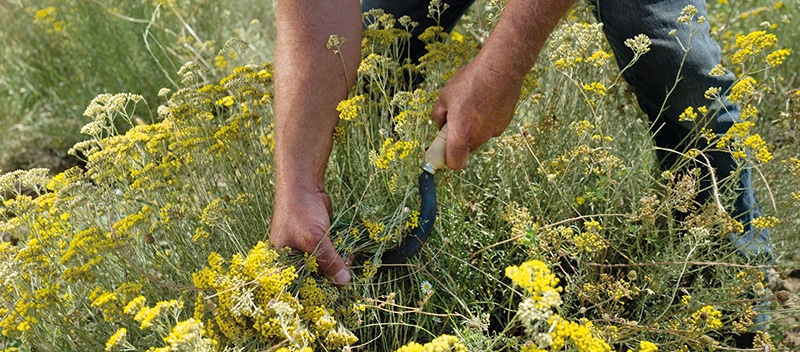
(559, 235)
(57, 55)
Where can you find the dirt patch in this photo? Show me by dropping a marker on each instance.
(786, 286)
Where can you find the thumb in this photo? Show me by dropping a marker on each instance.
(330, 263)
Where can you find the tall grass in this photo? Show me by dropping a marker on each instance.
(57, 55)
(560, 234)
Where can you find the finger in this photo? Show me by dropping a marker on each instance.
(457, 151)
(330, 263)
(439, 113)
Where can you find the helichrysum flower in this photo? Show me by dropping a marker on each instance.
(640, 44)
(718, 71)
(751, 44)
(776, 57)
(349, 109)
(443, 343)
(742, 89)
(536, 279)
(647, 346)
(707, 317)
(116, 340)
(688, 115)
(595, 87)
(765, 222)
(188, 336)
(687, 14)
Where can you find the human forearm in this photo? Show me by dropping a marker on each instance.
(515, 43)
(310, 80)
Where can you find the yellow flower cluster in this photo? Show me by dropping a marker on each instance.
(777, 57)
(255, 299)
(443, 343)
(739, 140)
(590, 240)
(688, 115)
(147, 316)
(576, 43)
(47, 19)
(647, 346)
(581, 335)
(117, 341)
(742, 89)
(765, 222)
(751, 44)
(392, 151)
(350, 109)
(595, 87)
(536, 279)
(706, 318)
(520, 219)
(598, 161)
(187, 335)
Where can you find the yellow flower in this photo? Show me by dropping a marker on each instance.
(776, 57)
(751, 44)
(117, 339)
(225, 101)
(742, 89)
(647, 346)
(536, 279)
(718, 71)
(688, 115)
(350, 109)
(596, 87)
(443, 343)
(765, 222)
(392, 151)
(707, 317)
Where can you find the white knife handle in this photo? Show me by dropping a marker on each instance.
(435, 156)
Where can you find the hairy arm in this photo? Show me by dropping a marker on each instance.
(478, 102)
(309, 82)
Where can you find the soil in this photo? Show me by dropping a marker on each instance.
(785, 285)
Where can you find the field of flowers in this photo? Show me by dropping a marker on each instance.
(558, 236)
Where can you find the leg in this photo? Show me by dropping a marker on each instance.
(654, 75)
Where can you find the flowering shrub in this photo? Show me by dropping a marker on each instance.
(159, 242)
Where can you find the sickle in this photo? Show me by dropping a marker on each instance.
(434, 160)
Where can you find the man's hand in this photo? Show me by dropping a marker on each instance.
(301, 221)
(477, 104)
(309, 82)
(479, 101)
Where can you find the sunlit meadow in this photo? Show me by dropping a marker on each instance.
(558, 236)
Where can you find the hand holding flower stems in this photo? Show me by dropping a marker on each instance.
(477, 104)
(305, 118)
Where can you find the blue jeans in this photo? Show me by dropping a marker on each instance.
(652, 77)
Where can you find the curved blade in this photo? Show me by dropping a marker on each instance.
(427, 216)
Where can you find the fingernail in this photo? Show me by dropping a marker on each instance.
(343, 276)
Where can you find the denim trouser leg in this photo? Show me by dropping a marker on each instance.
(418, 11)
(655, 74)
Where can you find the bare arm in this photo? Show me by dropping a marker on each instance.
(309, 83)
(478, 102)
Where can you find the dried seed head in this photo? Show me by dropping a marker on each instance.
(632, 276)
(703, 315)
(782, 296)
(707, 340)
